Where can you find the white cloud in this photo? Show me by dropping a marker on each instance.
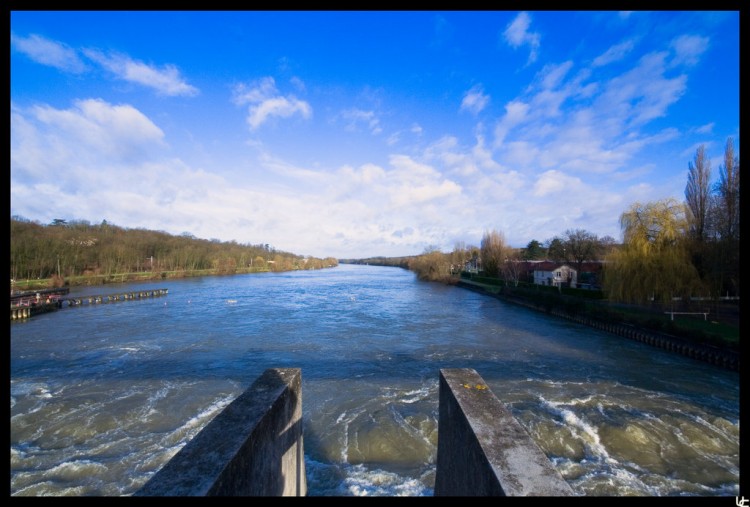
(368, 174)
(278, 106)
(258, 91)
(395, 137)
(614, 53)
(517, 34)
(515, 113)
(705, 129)
(354, 117)
(95, 128)
(266, 102)
(48, 52)
(643, 93)
(554, 182)
(688, 49)
(416, 183)
(106, 161)
(166, 80)
(552, 75)
(475, 100)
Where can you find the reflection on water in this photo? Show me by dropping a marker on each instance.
(103, 396)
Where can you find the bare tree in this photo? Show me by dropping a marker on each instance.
(581, 246)
(724, 223)
(459, 256)
(697, 193)
(494, 250)
(728, 192)
(513, 268)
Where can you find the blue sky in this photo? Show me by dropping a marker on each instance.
(359, 134)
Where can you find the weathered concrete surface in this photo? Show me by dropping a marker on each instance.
(482, 449)
(253, 447)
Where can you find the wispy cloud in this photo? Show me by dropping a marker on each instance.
(517, 34)
(614, 53)
(475, 100)
(48, 52)
(165, 80)
(515, 113)
(688, 49)
(643, 93)
(355, 117)
(705, 129)
(265, 102)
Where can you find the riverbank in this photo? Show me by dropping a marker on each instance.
(680, 340)
(143, 276)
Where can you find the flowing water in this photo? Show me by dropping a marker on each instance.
(102, 396)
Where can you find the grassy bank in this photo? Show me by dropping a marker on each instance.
(143, 276)
(715, 332)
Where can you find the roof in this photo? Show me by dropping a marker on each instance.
(550, 266)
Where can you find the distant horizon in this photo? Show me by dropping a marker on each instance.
(338, 133)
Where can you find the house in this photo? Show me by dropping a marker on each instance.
(555, 274)
(473, 265)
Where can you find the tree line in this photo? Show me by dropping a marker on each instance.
(669, 248)
(66, 249)
(683, 249)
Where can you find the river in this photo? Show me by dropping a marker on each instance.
(101, 396)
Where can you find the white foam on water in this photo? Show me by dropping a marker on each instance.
(73, 470)
(23, 388)
(581, 429)
(208, 413)
(409, 397)
(49, 488)
(343, 480)
(361, 481)
(345, 419)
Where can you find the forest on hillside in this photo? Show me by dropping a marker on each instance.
(65, 249)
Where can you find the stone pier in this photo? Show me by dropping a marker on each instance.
(482, 449)
(253, 447)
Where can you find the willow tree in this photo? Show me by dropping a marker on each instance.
(654, 261)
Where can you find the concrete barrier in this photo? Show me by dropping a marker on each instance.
(482, 449)
(254, 447)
